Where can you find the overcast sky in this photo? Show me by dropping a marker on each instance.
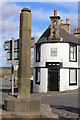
(40, 19)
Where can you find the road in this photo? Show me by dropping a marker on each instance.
(63, 104)
(62, 100)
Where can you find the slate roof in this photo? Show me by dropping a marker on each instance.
(64, 35)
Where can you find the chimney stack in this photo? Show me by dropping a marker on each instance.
(66, 25)
(77, 32)
(54, 28)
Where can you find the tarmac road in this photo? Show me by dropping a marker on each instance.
(64, 104)
(66, 99)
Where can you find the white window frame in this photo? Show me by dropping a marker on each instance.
(37, 76)
(72, 76)
(73, 53)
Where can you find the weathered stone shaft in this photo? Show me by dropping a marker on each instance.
(24, 54)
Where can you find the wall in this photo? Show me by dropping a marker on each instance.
(62, 52)
(62, 56)
(64, 80)
(43, 84)
(79, 78)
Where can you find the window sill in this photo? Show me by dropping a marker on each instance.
(72, 84)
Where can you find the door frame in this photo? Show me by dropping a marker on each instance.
(57, 65)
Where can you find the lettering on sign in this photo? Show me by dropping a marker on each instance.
(53, 52)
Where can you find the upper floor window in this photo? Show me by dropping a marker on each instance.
(38, 53)
(73, 53)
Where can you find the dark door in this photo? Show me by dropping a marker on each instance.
(53, 79)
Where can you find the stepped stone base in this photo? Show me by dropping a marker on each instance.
(21, 109)
(22, 105)
(44, 114)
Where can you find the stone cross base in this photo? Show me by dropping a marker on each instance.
(45, 113)
(22, 105)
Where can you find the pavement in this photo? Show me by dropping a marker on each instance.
(53, 93)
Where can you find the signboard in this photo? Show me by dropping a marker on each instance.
(53, 52)
(32, 42)
(16, 55)
(8, 47)
(8, 44)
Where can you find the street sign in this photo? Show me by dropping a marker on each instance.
(8, 44)
(8, 47)
(9, 55)
(32, 42)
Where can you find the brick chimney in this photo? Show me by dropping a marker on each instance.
(66, 25)
(54, 28)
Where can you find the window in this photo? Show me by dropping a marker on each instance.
(73, 53)
(38, 53)
(73, 77)
(37, 76)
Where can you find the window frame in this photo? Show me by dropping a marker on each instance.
(38, 51)
(73, 53)
(69, 77)
(36, 75)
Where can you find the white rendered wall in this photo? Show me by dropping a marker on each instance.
(79, 56)
(43, 81)
(79, 66)
(62, 55)
(62, 52)
(64, 80)
(78, 78)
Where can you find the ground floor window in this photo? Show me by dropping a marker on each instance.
(73, 77)
(37, 76)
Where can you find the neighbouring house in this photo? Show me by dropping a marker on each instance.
(57, 58)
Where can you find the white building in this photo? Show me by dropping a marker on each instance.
(57, 58)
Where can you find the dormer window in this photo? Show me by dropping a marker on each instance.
(38, 53)
(73, 53)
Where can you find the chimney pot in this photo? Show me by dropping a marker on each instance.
(61, 21)
(75, 30)
(55, 12)
(67, 21)
(78, 30)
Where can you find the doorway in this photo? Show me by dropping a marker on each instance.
(53, 77)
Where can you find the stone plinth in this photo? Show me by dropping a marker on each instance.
(22, 105)
(44, 114)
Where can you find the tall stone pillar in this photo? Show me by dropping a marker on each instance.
(24, 54)
(24, 103)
